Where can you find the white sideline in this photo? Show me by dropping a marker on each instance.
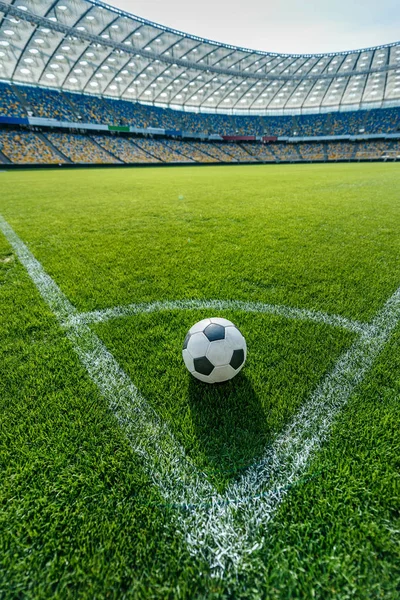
(176, 477)
(221, 528)
(301, 314)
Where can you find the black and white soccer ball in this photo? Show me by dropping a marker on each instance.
(214, 350)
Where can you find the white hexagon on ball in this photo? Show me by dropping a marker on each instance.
(219, 353)
(214, 350)
(197, 345)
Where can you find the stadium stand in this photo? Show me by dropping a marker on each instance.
(393, 151)
(161, 151)
(287, 152)
(24, 147)
(371, 149)
(184, 149)
(10, 105)
(27, 148)
(261, 152)
(341, 150)
(42, 146)
(239, 153)
(280, 126)
(124, 149)
(91, 109)
(48, 104)
(132, 113)
(312, 125)
(312, 151)
(350, 123)
(80, 148)
(382, 121)
(195, 152)
(85, 108)
(181, 112)
(216, 151)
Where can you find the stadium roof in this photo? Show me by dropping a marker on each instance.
(89, 46)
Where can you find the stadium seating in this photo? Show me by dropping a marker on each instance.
(161, 151)
(48, 104)
(27, 148)
(106, 111)
(136, 150)
(184, 149)
(340, 150)
(261, 152)
(91, 109)
(80, 148)
(239, 152)
(382, 121)
(279, 126)
(10, 105)
(124, 149)
(216, 151)
(18, 101)
(24, 147)
(287, 152)
(350, 123)
(195, 152)
(309, 125)
(393, 151)
(129, 113)
(312, 151)
(371, 149)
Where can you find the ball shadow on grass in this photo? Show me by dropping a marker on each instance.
(230, 424)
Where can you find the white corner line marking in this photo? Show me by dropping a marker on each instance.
(257, 495)
(164, 459)
(223, 529)
(301, 314)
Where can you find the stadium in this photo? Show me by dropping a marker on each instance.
(86, 83)
(151, 180)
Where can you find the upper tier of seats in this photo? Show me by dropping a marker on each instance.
(19, 101)
(10, 105)
(49, 104)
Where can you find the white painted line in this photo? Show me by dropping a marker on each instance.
(224, 529)
(164, 459)
(259, 492)
(100, 316)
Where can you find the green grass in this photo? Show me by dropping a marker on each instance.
(224, 428)
(79, 518)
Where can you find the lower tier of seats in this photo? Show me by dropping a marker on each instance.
(34, 147)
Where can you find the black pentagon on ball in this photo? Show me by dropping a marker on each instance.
(237, 359)
(214, 332)
(203, 365)
(186, 341)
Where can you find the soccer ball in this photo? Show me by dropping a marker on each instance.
(214, 350)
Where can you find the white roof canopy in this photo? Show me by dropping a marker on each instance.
(88, 46)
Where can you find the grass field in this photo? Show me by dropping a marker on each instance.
(110, 492)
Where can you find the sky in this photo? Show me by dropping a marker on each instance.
(290, 26)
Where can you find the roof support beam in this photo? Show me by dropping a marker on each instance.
(84, 36)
